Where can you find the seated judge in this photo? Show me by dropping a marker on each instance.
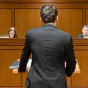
(84, 32)
(12, 33)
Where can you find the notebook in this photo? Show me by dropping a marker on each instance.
(15, 64)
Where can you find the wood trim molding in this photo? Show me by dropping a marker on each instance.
(39, 5)
(5, 1)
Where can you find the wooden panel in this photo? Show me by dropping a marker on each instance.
(84, 16)
(5, 20)
(87, 16)
(80, 42)
(6, 76)
(39, 5)
(81, 48)
(70, 20)
(11, 47)
(26, 19)
(69, 82)
(24, 76)
(12, 42)
(81, 80)
(12, 54)
(44, 1)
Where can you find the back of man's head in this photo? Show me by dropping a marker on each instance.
(48, 13)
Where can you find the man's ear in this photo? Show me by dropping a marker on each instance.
(41, 19)
(56, 18)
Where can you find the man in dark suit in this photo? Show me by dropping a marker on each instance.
(50, 48)
(84, 32)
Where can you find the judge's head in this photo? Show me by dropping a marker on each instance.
(49, 14)
(85, 30)
(12, 33)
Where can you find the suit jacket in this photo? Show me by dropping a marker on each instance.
(50, 48)
(79, 36)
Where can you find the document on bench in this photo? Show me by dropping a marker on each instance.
(15, 64)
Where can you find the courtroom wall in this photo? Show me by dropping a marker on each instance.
(25, 15)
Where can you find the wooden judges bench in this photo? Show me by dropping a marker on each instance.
(10, 50)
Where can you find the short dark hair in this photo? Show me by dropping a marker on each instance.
(85, 26)
(48, 13)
